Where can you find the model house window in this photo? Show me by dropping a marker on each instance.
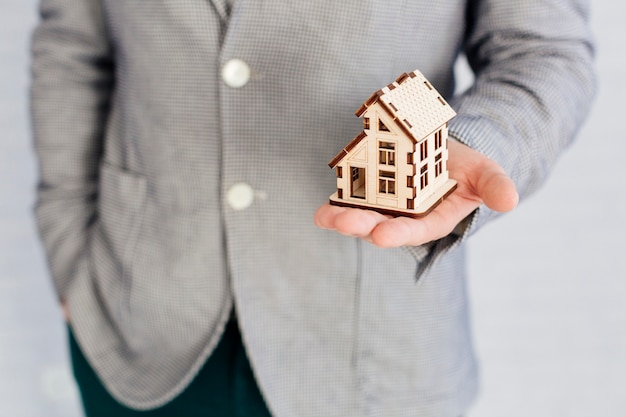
(366, 123)
(424, 177)
(382, 127)
(438, 140)
(339, 172)
(410, 203)
(386, 153)
(340, 192)
(423, 150)
(409, 158)
(438, 165)
(409, 181)
(386, 182)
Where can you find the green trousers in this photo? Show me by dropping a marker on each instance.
(224, 387)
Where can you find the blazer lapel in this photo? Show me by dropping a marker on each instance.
(222, 7)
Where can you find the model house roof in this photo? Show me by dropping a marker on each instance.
(414, 104)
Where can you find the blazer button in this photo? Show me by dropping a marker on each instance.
(236, 73)
(240, 196)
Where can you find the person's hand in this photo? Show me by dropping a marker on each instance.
(65, 310)
(480, 180)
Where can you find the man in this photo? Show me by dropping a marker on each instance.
(183, 149)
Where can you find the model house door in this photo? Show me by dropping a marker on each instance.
(357, 182)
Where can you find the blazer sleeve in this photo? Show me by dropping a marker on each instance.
(534, 83)
(72, 77)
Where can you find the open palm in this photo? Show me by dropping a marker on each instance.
(480, 180)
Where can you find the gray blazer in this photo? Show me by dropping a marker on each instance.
(140, 142)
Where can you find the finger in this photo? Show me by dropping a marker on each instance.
(347, 221)
(496, 189)
(357, 222)
(325, 215)
(403, 231)
(400, 232)
(485, 178)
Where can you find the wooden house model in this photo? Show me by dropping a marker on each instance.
(398, 164)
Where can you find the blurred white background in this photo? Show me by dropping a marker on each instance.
(548, 281)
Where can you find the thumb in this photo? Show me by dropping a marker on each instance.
(496, 188)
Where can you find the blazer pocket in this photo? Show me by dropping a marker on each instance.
(121, 201)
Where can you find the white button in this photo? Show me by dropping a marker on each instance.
(240, 196)
(236, 73)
